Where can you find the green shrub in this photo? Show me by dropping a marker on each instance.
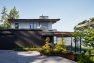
(92, 51)
(59, 48)
(83, 58)
(46, 49)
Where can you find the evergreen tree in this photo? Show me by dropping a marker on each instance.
(4, 14)
(3, 17)
(13, 14)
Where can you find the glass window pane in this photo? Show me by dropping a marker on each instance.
(35, 25)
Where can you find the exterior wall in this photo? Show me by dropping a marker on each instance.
(10, 39)
(13, 38)
(34, 25)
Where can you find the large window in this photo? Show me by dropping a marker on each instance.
(34, 25)
(16, 25)
(38, 24)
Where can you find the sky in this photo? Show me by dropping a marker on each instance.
(70, 12)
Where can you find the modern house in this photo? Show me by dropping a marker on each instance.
(32, 32)
(43, 23)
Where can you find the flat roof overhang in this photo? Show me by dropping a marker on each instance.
(47, 34)
(34, 20)
(64, 34)
(59, 34)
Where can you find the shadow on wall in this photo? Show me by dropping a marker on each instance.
(11, 39)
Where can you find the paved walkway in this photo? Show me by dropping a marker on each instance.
(29, 57)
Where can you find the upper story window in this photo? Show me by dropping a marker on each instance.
(16, 25)
(34, 25)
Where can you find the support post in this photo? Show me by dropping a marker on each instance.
(71, 44)
(80, 44)
(75, 44)
(75, 48)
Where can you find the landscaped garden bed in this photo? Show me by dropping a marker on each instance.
(60, 50)
(57, 50)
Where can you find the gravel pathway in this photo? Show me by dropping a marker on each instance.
(9, 56)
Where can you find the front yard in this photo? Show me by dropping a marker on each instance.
(60, 50)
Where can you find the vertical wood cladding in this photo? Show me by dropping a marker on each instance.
(10, 39)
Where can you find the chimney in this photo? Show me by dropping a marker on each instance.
(43, 17)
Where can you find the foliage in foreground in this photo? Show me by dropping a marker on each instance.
(85, 58)
(87, 32)
(86, 37)
(47, 49)
(58, 49)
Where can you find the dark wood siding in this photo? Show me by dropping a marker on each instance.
(10, 39)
